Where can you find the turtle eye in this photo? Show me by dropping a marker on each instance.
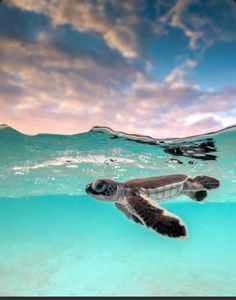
(100, 186)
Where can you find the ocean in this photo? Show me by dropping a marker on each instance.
(55, 240)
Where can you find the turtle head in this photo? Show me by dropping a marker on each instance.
(102, 189)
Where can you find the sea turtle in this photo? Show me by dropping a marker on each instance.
(138, 198)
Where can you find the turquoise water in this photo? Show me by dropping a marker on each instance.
(56, 240)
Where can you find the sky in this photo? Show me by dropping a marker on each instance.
(154, 67)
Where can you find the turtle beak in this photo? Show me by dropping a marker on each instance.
(88, 188)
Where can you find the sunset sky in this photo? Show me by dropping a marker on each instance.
(157, 67)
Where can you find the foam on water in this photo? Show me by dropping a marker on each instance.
(56, 240)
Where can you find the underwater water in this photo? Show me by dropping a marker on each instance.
(56, 240)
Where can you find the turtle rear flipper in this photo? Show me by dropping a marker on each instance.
(207, 182)
(200, 183)
(197, 196)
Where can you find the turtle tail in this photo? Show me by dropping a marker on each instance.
(196, 187)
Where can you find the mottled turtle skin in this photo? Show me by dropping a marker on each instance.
(139, 199)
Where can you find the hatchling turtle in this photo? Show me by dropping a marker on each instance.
(139, 198)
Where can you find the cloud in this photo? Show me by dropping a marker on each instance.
(178, 77)
(49, 99)
(199, 24)
(122, 38)
(128, 27)
(167, 109)
(69, 65)
(92, 16)
(124, 26)
(175, 15)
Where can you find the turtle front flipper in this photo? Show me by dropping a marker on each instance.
(154, 216)
(128, 214)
